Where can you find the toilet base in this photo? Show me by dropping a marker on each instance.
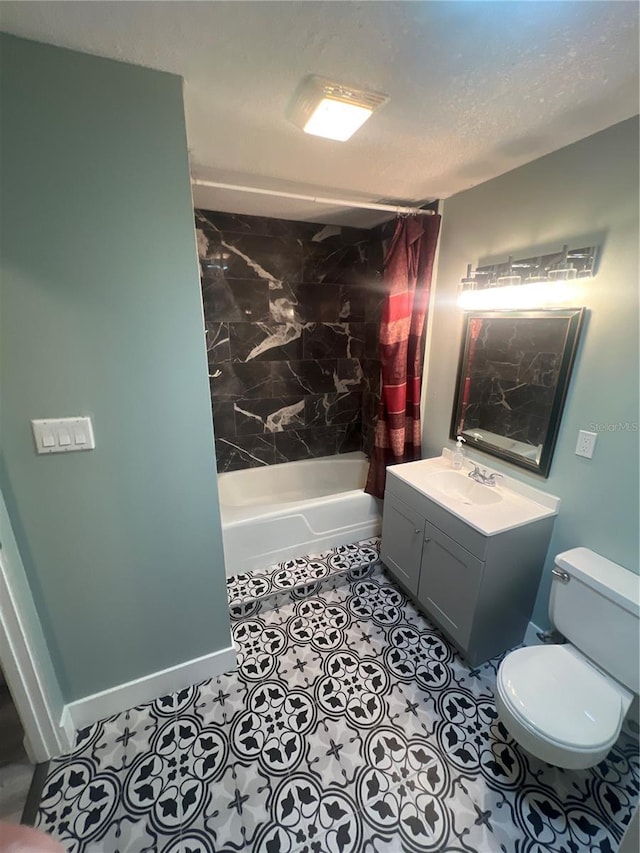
(550, 752)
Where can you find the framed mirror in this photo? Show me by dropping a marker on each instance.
(512, 382)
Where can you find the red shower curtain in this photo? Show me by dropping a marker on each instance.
(408, 266)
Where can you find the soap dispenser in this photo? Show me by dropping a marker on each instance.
(457, 457)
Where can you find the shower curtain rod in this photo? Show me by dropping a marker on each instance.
(392, 208)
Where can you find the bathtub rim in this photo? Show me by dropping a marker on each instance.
(232, 515)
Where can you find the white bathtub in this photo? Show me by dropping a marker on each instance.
(278, 512)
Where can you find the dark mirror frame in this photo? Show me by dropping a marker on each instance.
(574, 319)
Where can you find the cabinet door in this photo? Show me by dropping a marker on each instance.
(401, 546)
(450, 579)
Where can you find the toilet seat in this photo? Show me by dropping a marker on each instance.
(555, 691)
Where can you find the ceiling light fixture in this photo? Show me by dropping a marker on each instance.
(332, 110)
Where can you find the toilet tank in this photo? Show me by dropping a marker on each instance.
(598, 611)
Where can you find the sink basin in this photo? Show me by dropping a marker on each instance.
(460, 487)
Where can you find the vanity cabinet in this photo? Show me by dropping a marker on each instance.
(450, 581)
(403, 533)
(479, 589)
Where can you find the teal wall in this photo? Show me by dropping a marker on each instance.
(101, 315)
(587, 190)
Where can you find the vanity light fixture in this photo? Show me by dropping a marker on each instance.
(333, 110)
(527, 283)
(216, 261)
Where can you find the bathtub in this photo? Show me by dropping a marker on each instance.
(279, 512)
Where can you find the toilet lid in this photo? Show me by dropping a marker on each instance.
(556, 691)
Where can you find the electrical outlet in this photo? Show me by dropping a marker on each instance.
(586, 443)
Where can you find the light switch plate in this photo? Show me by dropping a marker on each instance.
(63, 435)
(586, 443)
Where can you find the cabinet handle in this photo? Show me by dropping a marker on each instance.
(417, 531)
(427, 540)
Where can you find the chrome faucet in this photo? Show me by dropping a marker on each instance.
(481, 475)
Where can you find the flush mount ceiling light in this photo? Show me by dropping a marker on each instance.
(332, 110)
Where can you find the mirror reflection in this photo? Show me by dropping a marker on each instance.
(512, 380)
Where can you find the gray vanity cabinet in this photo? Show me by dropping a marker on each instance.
(402, 537)
(450, 580)
(480, 590)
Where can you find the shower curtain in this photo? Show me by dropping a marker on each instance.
(408, 267)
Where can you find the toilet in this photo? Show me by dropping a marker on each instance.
(566, 703)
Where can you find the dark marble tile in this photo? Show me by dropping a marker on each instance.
(327, 409)
(375, 256)
(217, 299)
(500, 339)
(307, 376)
(352, 303)
(372, 340)
(335, 263)
(374, 301)
(543, 368)
(274, 414)
(217, 340)
(512, 424)
(503, 367)
(370, 403)
(283, 303)
(271, 259)
(349, 374)
(265, 341)
(537, 429)
(533, 399)
(249, 451)
(305, 443)
(371, 375)
(319, 303)
(224, 423)
(235, 300)
(236, 223)
(237, 380)
(211, 220)
(333, 340)
(349, 437)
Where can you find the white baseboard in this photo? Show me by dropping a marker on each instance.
(531, 635)
(84, 712)
(67, 729)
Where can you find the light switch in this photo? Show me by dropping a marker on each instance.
(63, 435)
(47, 438)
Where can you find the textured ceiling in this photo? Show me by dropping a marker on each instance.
(476, 88)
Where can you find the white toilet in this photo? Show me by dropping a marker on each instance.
(566, 703)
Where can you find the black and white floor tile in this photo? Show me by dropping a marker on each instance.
(263, 589)
(350, 725)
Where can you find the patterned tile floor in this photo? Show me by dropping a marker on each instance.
(350, 725)
(291, 580)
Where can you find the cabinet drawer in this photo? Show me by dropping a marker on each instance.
(450, 579)
(401, 546)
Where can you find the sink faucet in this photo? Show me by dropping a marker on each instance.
(481, 475)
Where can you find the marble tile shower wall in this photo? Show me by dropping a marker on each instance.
(292, 337)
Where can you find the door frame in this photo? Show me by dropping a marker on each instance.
(45, 736)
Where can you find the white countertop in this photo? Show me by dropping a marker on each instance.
(520, 504)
